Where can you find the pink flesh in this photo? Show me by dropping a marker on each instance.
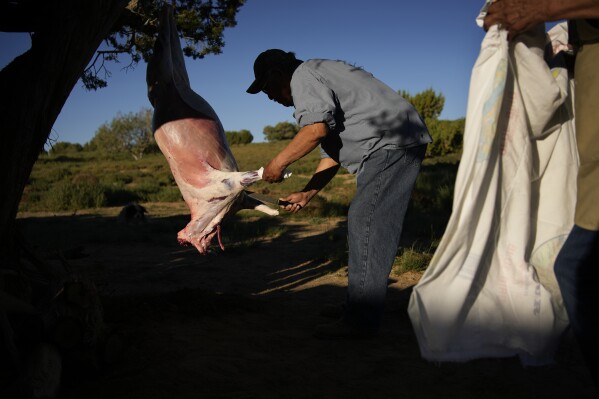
(192, 139)
(193, 147)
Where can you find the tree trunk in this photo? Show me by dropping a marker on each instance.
(33, 90)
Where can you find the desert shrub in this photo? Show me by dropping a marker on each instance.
(432, 198)
(67, 195)
(146, 188)
(117, 196)
(58, 174)
(412, 260)
(129, 133)
(30, 199)
(281, 131)
(164, 178)
(447, 136)
(63, 147)
(428, 103)
(117, 179)
(166, 194)
(241, 137)
(85, 178)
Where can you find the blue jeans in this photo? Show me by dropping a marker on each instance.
(375, 220)
(577, 273)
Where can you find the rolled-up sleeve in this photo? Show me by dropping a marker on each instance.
(313, 101)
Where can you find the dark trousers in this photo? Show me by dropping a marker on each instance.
(375, 220)
(577, 272)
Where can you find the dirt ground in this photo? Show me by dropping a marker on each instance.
(239, 325)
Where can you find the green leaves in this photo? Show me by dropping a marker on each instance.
(428, 103)
(447, 135)
(281, 131)
(243, 136)
(130, 133)
(201, 24)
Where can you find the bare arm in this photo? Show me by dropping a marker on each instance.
(325, 171)
(520, 15)
(304, 141)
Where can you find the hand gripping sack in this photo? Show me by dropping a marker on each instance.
(490, 290)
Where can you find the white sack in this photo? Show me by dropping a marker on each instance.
(490, 290)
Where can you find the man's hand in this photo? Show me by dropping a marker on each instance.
(296, 201)
(516, 16)
(304, 141)
(325, 171)
(273, 172)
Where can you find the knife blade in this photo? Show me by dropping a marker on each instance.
(267, 199)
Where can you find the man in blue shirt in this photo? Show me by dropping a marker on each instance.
(365, 126)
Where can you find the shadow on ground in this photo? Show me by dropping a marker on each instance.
(239, 324)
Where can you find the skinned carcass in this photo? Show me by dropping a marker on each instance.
(192, 139)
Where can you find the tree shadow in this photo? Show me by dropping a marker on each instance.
(239, 323)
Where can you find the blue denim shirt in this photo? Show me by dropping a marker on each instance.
(363, 114)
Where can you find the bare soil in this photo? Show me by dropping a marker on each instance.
(238, 324)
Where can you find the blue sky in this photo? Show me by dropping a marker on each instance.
(408, 45)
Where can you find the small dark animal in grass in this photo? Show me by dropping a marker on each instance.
(132, 214)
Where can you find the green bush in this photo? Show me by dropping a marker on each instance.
(166, 194)
(63, 147)
(280, 131)
(120, 196)
(241, 137)
(412, 260)
(67, 195)
(447, 136)
(117, 179)
(146, 188)
(85, 178)
(57, 174)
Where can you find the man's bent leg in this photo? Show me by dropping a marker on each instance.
(375, 221)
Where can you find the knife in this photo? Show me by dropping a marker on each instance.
(267, 199)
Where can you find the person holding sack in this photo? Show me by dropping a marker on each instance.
(577, 265)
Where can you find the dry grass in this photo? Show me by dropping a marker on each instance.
(117, 179)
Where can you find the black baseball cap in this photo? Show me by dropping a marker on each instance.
(266, 62)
